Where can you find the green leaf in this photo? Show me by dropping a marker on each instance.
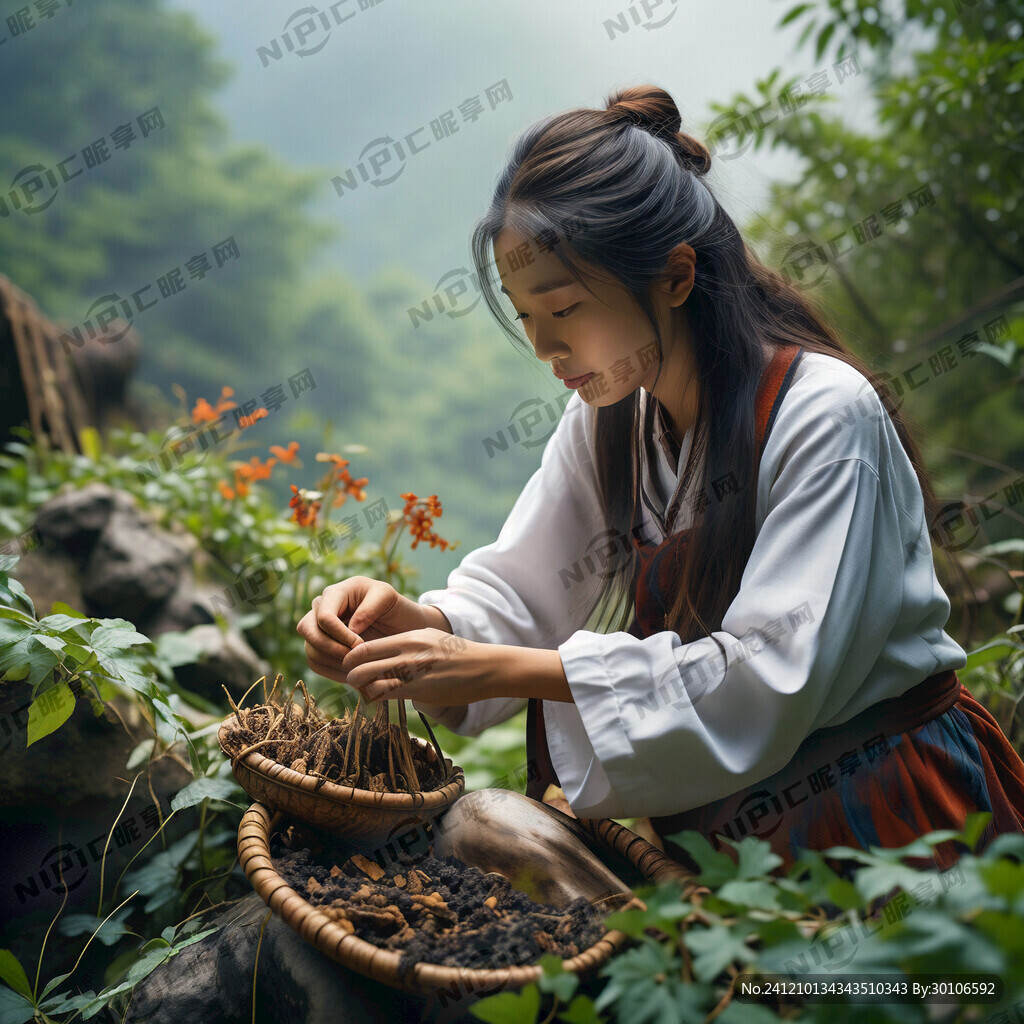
(989, 653)
(556, 979)
(201, 789)
(12, 593)
(49, 711)
(844, 895)
(663, 908)
(974, 825)
(792, 14)
(51, 642)
(509, 1007)
(141, 753)
(199, 936)
(1011, 546)
(645, 987)
(13, 973)
(19, 616)
(1001, 353)
(746, 1013)
(756, 857)
(19, 648)
(61, 623)
(108, 932)
(808, 29)
(580, 1011)
(717, 947)
(750, 892)
(14, 1007)
(63, 608)
(111, 639)
(52, 984)
(1007, 844)
(715, 867)
(177, 649)
(823, 37)
(90, 443)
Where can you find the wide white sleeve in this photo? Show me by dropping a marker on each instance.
(668, 726)
(527, 588)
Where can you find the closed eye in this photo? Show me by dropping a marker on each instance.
(560, 314)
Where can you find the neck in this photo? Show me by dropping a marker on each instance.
(677, 392)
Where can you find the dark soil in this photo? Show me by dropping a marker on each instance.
(441, 911)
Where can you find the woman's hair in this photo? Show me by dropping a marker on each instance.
(619, 188)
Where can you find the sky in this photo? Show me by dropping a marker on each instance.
(393, 68)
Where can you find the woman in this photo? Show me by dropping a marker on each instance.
(730, 503)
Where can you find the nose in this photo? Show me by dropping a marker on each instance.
(547, 346)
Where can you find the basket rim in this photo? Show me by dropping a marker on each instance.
(282, 775)
(375, 962)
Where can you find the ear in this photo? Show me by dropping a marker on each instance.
(677, 277)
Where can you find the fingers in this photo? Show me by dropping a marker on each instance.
(377, 667)
(378, 599)
(329, 670)
(381, 689)
(318, 643)
(329, 608)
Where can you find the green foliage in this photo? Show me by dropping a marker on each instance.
(66, 654)
(892, 918)
(944, 78)
(19, 1003)
(266, 568)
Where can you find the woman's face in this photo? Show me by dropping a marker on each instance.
(605, 334)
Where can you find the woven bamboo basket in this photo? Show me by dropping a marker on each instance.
(359, 816)
(381, 965)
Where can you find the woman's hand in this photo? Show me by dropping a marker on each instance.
(358, 609)
(425, 665)
(435, 668)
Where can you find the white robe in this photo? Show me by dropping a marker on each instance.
(839, 607)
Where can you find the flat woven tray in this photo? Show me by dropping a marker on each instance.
(324, 933)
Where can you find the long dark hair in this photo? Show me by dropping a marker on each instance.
(620, 188)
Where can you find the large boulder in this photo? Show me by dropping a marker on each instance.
(219, 979)
(133, 567)
(190, 604)
(49, 575)
(224, 658)
(73, 520)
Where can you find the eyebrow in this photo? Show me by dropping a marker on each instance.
(547, 286)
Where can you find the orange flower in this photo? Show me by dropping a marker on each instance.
(353, 487)
(419, 514)
(285, 454)
(225, 491)
(203, 412)
(342, 476)
(331, 457)
(255, 416)
(258, 470)
(306, 507)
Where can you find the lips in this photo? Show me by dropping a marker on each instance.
(576, 382)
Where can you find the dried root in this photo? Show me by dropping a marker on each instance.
(354, 750)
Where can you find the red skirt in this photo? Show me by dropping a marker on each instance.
(871, 782)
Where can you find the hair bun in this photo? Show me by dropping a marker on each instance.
(652, 109)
